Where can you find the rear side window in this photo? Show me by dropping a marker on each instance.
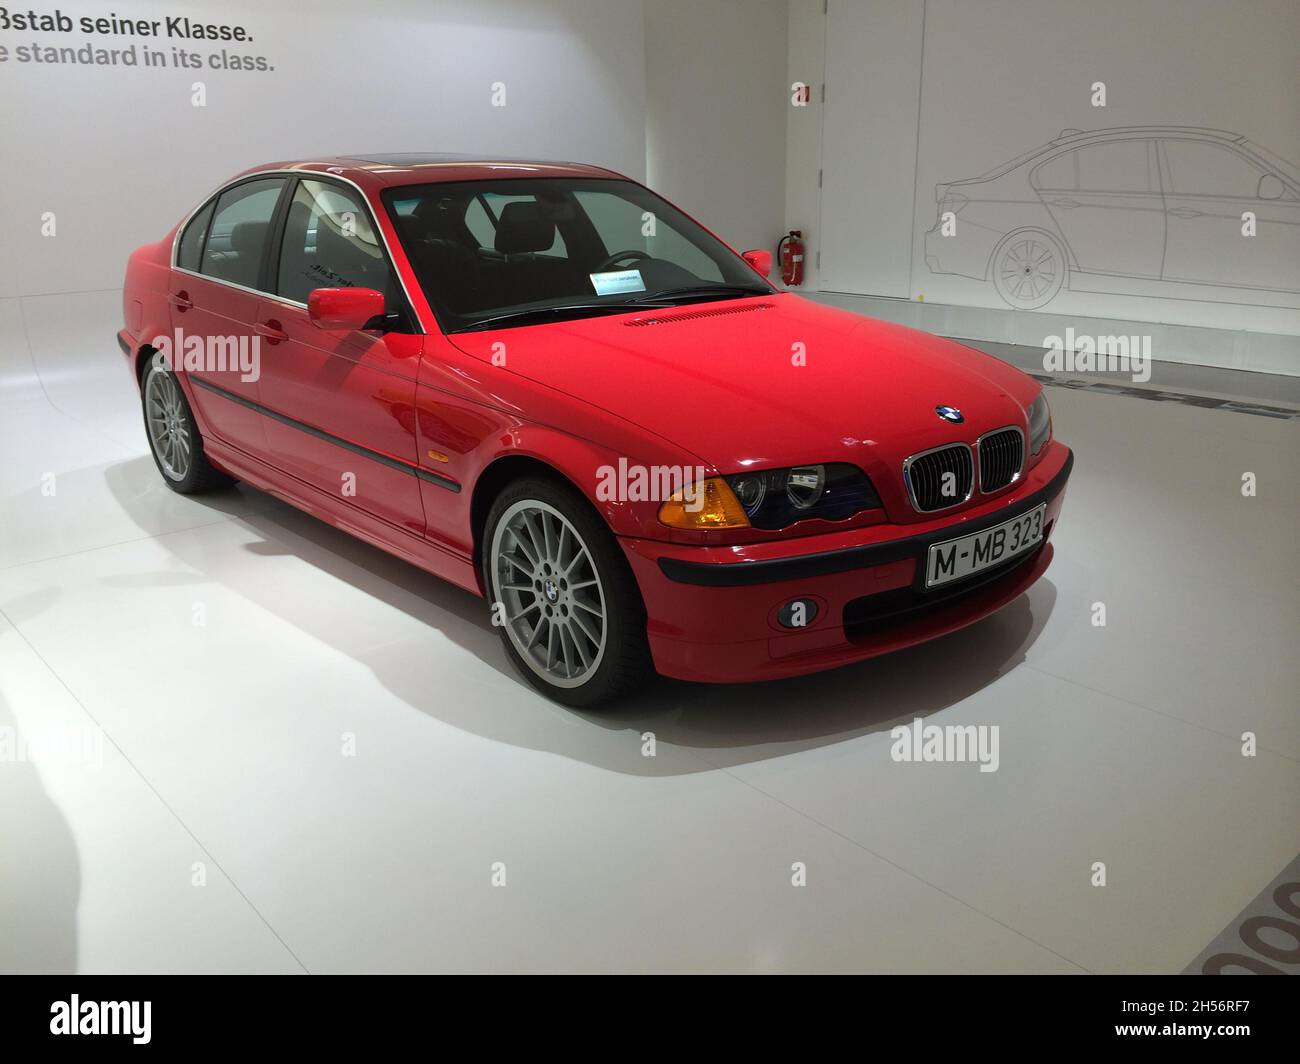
(238, 234)
(1058, 173)
(1111, 166)
(330, 242)
(191, 245)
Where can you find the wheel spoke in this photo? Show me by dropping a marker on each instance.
(537, 631)
(527, 570)
(523, 613)
(538, 547)
(559, 547)
(565, 640)
(530, 555)
(581, 623)
(577, 646)
(546, 539)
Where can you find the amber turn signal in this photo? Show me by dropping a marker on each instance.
(706, 504)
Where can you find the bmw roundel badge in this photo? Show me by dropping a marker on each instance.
(950, 413)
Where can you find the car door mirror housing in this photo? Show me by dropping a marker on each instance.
(344, 308)
(760, 259)
(1270, 187)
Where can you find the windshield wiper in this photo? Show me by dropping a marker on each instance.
(704, 291)
(670, 297)
(527, 314)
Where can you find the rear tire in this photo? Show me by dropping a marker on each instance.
(563, 595)
(1029, 269)
(173, 435)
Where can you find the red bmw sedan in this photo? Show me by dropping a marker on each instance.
(546, 384)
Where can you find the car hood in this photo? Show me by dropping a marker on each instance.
(768, 381)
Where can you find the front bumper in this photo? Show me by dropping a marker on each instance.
(712, 611)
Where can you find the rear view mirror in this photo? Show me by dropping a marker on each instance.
(761, 260)
(344, 308)
(1270, 187)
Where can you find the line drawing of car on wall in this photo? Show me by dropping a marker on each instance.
(1135, 211)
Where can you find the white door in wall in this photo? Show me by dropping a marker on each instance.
(873, 78)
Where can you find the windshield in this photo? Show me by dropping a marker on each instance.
(495, 254)
(1286, 169)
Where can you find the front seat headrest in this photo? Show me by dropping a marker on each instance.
(522, 229)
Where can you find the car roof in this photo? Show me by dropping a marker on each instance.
(388, 170)
(1071, 136)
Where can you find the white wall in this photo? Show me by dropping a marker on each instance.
(806, 64)
(1000, 77)
(716, 102)
(119, 154)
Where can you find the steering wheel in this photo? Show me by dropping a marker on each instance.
(618, 256)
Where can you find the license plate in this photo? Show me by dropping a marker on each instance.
(958, 558)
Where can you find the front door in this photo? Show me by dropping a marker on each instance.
(1209, 189)
(340, 403)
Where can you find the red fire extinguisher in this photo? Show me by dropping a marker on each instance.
(790, 252)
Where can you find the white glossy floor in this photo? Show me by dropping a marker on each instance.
(223, 740)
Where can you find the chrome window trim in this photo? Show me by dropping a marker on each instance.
(907, 480)
(1024, 458)
(310, 175)
(241, 288)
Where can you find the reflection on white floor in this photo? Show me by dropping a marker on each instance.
(219, 826)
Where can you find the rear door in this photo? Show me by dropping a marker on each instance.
(1105, 200)
(214, 300)
(341, 402)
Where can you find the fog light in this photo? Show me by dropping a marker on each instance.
(797, 613)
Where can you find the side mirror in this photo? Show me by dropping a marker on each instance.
(761, 260)
(1270, 187)
(344, 308)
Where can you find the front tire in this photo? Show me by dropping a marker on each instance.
(173, 435)
(567, 604)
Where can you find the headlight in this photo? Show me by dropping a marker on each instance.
(774, 498)
(1040, 423)
(804, 486)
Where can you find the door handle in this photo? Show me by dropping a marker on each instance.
(271, 331)
(1185, 212)
(180, 300)
(1067, 203)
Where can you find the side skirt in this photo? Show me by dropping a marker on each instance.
(410, 548)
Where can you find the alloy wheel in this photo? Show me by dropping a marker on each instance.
(169, 430)
(554, 601)
(1029, 272)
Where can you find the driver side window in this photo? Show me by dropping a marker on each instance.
(624, 226)
(329, 242)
